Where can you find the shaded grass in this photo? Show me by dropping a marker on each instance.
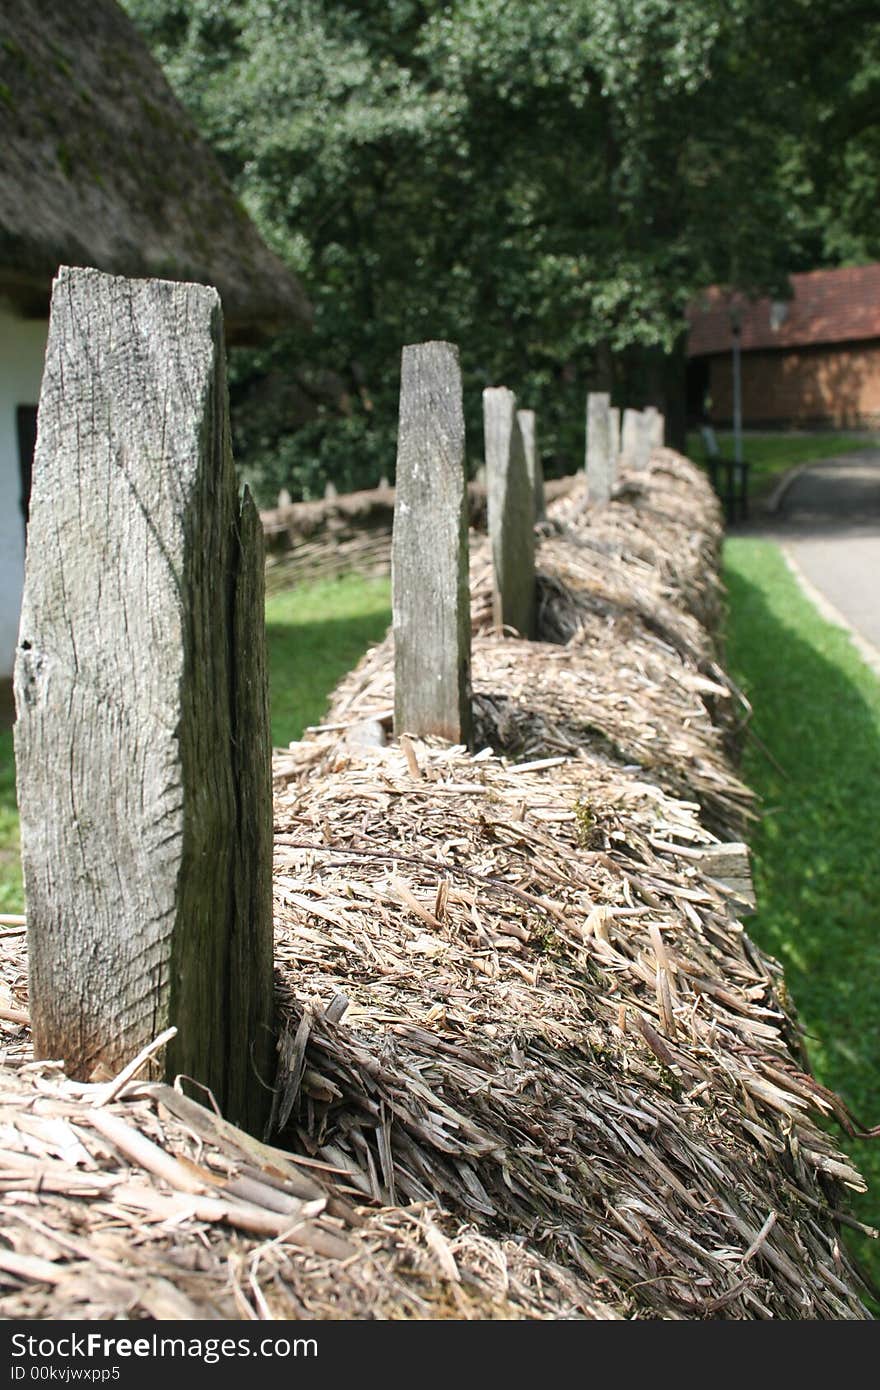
(315, 634)
(771, 455)
(817, 867)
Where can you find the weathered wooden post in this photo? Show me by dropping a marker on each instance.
(429, 553)
(655, 426)
(528, 430)
(142, 742)
(614, 436)
(630, 436)
(601, 462)
(511, 511)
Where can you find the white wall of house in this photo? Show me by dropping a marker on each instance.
(22, 349)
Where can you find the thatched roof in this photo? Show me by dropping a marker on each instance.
(531, 1064)
(100, 165)
(826, 306)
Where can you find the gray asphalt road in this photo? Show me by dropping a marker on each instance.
(828, 520)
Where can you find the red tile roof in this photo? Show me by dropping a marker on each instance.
(829, 306)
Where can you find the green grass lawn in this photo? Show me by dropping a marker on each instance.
(11, 898)
(314, 634)
(817, 870)
(771, 455)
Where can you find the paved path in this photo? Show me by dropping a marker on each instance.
(828, 522)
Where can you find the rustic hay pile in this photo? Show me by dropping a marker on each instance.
(632, 591)
(530, 1063)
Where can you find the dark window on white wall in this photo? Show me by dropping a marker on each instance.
(26, 421)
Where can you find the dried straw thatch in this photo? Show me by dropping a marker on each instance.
(100, 165)
(530, 1063)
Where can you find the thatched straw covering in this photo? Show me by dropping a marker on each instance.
(100, 165)
(530, 1063)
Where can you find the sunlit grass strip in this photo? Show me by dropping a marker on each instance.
(817, 865)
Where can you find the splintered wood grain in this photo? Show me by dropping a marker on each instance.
(142, 741)
(430, 596)
(250, 950)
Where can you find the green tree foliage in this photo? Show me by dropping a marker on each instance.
(544, 182)
(833, 157)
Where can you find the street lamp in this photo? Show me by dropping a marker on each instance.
(735, 330)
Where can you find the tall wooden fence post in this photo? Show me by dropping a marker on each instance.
(601, 462)
(429, 557)
(630, 437)
(528, 429)
(614, 437)
(511, 510)
(142, 742)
